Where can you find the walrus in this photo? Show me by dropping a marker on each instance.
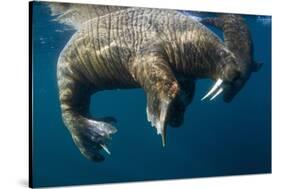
(162, 51)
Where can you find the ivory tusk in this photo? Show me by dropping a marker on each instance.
(217, 93)
(214, 88)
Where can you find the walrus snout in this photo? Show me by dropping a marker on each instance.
(235, 77)
(231, 89)
(232, 81)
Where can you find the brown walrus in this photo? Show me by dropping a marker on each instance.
(162, 51)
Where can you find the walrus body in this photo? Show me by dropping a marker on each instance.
(161, 51)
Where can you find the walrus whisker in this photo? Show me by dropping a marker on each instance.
(213, 89)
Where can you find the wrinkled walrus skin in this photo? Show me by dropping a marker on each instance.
(162, 51)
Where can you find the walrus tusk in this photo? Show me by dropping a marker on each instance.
(214, 88)
(105, 149)
(217, 93)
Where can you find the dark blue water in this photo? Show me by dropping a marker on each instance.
(216, 139)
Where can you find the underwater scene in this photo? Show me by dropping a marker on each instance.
(217, 136)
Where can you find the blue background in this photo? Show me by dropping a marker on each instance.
(216, 139)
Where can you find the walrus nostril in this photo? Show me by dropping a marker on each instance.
(235, 76)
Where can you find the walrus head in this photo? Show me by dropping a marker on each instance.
(238, 64)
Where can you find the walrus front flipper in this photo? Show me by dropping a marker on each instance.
(181, 101)
(153, 73)
(90, 136)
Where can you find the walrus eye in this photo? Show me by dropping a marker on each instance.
(222, 53)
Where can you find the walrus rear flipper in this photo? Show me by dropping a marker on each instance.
(217, 22)
(89, 135)
(236, 34)
(74, 15)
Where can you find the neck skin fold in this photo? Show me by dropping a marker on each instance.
(195, 58)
